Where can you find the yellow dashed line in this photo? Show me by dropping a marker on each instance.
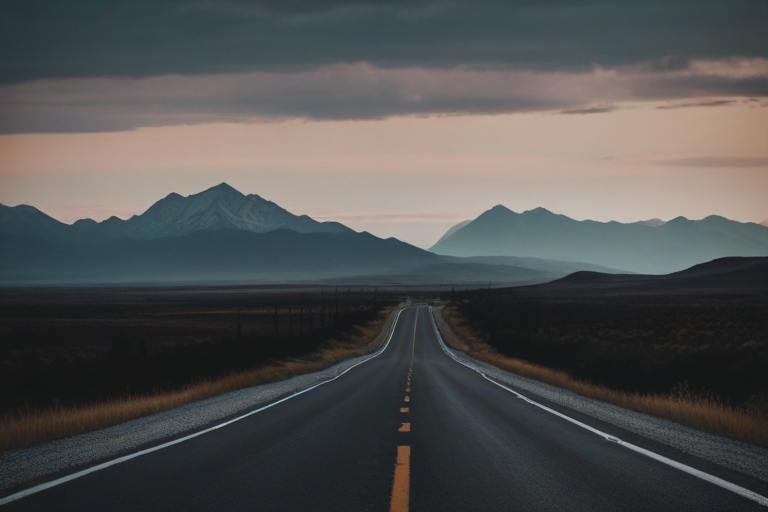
(402, 483)
(401, 487)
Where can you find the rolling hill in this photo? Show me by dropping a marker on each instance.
(729, 275)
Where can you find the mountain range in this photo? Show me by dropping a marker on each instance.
(221, 234)
(219, 207)
(652, 247)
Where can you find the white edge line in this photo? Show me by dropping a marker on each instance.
(746, 493)
(104, 465)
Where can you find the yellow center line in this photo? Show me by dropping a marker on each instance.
(401, 487)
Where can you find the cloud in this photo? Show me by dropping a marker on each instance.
(692, 104)
(414, 217)
(588, 110)
(45, 39)
(735, 162)
(358, 91)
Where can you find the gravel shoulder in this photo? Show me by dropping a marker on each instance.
(735, 455)
(31, 465)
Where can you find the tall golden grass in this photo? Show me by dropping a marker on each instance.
(702, 413)
(32, 426)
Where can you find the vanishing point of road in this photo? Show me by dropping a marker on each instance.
(411, 429)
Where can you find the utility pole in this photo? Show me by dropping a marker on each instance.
(275, 321)
(336, 313)
(322, 308)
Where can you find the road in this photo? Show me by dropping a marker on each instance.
(408, 430)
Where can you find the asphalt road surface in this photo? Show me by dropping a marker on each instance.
(409, 429)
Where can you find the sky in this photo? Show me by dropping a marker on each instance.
(398, 118)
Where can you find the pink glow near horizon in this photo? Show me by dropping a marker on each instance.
(414, 177)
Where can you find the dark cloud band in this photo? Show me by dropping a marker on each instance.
(360, 91)
(139, 38)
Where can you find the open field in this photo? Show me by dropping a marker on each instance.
(79, 360)
(698, 361)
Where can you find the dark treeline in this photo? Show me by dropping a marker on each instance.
(707, 346)
(64, 351)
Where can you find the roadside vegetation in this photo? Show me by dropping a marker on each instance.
(698, 407)
(71, 367)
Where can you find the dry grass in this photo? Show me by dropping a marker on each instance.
(702, 413)
(31, 427)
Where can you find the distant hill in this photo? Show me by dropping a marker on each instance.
(219, 207)
(461, 274)
(553, 268)
(720, 266)
(213, 255)
(644, 247)
(725, 274)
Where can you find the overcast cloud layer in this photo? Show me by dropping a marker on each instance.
(362, 91)
(115, 65)
(54, 39)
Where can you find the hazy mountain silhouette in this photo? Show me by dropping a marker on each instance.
(453, 230)
(554, 268)
(637, 247)
(216, 235)
(650, 222)
(453, 273)
(221, 234)
(205, 255)
(219, 207)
